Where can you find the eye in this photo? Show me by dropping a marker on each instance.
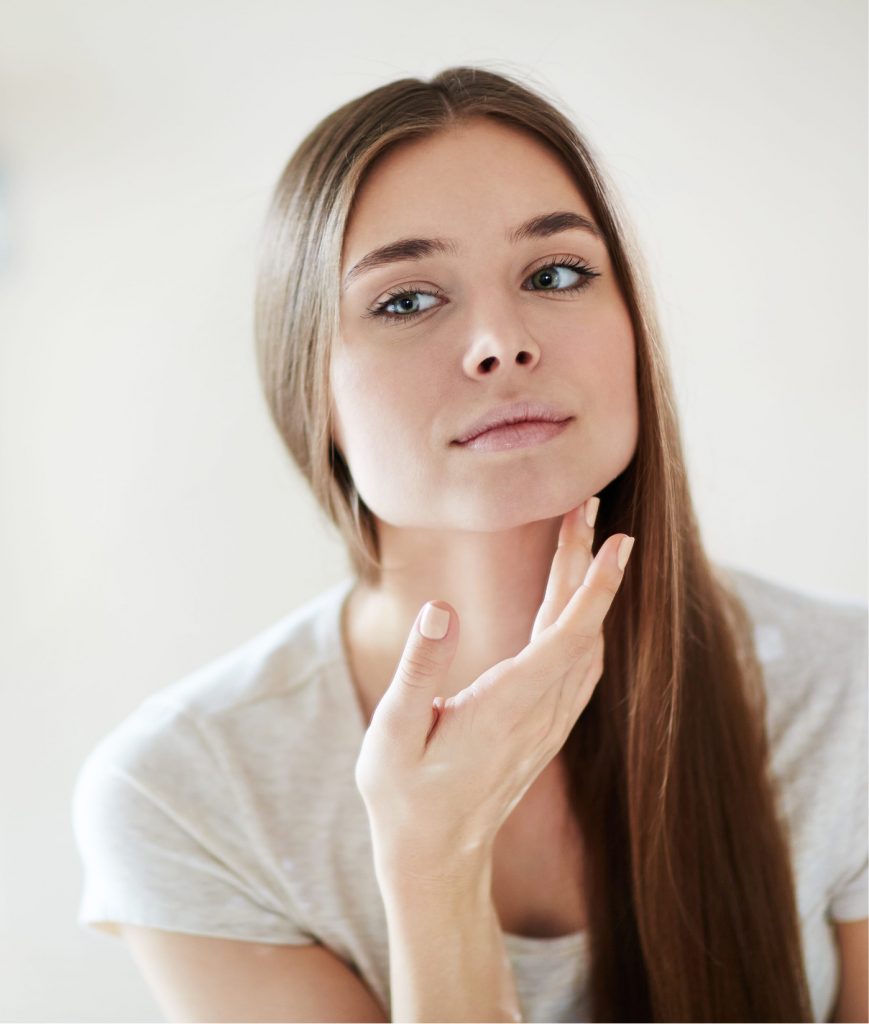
(565, 274)
(404, 305)
(568, 273)
(409, 302)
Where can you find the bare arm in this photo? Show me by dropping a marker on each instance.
(852, 1003)
(194, 978)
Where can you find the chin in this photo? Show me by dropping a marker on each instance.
(492, 513)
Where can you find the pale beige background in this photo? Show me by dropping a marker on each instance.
(150, 519)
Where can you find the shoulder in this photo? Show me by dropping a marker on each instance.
(277, 661)
(812, 647)
(222, 715)
(790, 608)
(186, 810)
(813, 644)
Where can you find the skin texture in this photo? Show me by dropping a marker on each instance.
(852, 1003)
(437, 797)
(477, 530)
(465, 775)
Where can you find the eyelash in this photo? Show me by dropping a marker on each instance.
(587, 274)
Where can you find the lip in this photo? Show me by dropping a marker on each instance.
(515, 435)
(516, 412)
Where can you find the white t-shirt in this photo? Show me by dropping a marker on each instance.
(225, 804)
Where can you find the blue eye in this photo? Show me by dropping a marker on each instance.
(408, 303)
(405, 305)
(560, 272)
(553, 275)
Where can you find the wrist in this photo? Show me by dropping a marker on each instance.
(406, 869)
(424, 909)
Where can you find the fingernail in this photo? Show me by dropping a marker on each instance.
(591, 507)
(625, 549)
(434, 622)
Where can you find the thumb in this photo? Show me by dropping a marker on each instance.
(428, 654)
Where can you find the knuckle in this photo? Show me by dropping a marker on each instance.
(364, 778)
(605, 583)
(368, 770)
(418, 664)
(533, 673)
(578, 644)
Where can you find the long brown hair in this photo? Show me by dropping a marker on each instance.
(690, 891)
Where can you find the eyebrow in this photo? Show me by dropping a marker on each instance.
(542, 226)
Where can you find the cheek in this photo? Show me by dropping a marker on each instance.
(609, 351)
(599, 359)
(597, 352)
(616, 401)
(355, 384)
(385, 410)
(617, 379)
(391, 382)
(377, 398)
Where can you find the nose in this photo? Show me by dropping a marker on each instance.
(499, 341)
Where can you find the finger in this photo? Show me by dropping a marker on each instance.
(569, 564)
(406, 709)
(560, 572)
(574, 633)
(579, 686)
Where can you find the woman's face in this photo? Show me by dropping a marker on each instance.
(481, 321)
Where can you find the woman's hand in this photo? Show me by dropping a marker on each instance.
(439, 778)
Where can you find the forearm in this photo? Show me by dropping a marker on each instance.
(447, 956)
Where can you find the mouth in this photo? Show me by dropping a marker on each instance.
(508, 436)
(513, 415)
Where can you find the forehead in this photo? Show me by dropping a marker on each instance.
(459, 179)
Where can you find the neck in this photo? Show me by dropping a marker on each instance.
(495, 581)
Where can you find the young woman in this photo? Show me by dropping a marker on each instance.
(500, 773)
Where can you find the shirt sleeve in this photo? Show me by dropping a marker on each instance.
(163, 839)
(850, 894)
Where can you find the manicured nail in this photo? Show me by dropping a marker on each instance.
(591, 507)
(434, 622)
(625, 549)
